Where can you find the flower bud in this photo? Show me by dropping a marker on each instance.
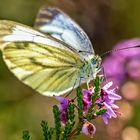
(88, 129)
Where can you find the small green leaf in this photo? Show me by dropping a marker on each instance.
(50, 133)
(70, 111)
(100, 111)
(26, 135)
(78, 131)
(68, 128)
(97, 89)
(57, 121)
(80, 103)
(44, 126)
(94, 97)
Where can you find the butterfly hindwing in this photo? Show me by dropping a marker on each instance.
(47, 67)
(59, 25)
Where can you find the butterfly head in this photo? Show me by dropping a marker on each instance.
(96, 61)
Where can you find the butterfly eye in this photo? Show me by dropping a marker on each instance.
(93, 61)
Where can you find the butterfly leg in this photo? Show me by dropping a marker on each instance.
(103, 73)
(88, 82)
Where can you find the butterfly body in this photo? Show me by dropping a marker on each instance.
(53, 60)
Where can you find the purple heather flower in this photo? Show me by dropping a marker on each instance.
(129, 53)
(105, 118)
(110, 93)
(63, 108)
(88, 129)
(129, 56)
(123, 62)
(86, 99)
(133, 67)
(113, 67)
(111, 112)
(107, 99)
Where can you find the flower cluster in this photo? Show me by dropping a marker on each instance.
(107, 100)
(96, 101)
(63, 108)
(124, 62)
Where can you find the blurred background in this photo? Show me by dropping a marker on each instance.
(109, 24)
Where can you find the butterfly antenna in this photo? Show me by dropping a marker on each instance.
(85, 51)
(116, 50)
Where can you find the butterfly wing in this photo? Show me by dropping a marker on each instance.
(37, 60)
(56, 23)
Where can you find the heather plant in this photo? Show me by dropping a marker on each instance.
(96, 101)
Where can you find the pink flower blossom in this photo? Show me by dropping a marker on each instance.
(86, 99)
(63, 108)
(124, 62)
(88, 129)
(107, 99)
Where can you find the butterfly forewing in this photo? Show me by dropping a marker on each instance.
(47, 67)
(59, 25)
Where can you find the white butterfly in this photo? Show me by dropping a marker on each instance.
(52, 60)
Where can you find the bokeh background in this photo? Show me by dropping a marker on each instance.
(106, 22)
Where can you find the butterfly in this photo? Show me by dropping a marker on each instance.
(52, 58)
